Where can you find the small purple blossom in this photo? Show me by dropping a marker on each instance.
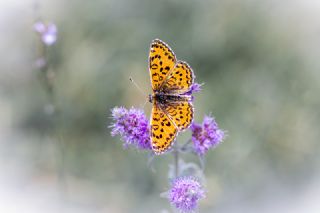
(185, 193)
(133, 127)
(48, 32)
(195, 87)
(206, 136)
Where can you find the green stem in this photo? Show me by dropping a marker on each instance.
(48, 83)
(184, 147)
(176, 160)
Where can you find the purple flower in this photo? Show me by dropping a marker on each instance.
(194, 88)
(206, 136)
(185, 193)
(47, 32)
(132, 125)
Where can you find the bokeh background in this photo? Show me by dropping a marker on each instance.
(258, 60)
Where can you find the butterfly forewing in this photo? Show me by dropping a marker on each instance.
(163, 130)
(161, 61)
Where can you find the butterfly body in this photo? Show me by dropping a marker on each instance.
(163, 98)
(172, 110)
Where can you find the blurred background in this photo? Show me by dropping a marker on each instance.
(258, 60)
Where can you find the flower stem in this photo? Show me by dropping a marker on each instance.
(185, 146)
(47, 78)
(176, 160)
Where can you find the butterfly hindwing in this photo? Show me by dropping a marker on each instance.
(181, 113)
(163, 130)
(180, 79)
(161, 60)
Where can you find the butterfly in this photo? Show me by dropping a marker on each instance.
(172, 109)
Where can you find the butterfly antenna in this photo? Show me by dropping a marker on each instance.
(140, 90)
(146, 101)
(136, 85)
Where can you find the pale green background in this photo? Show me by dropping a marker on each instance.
(260, 64)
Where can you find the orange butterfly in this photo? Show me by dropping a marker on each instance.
(172, 110)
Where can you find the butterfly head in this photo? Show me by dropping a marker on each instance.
(150, 98)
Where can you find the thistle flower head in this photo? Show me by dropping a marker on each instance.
(48, 32)
(132, 125)
(206, 135)
(185, 193)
